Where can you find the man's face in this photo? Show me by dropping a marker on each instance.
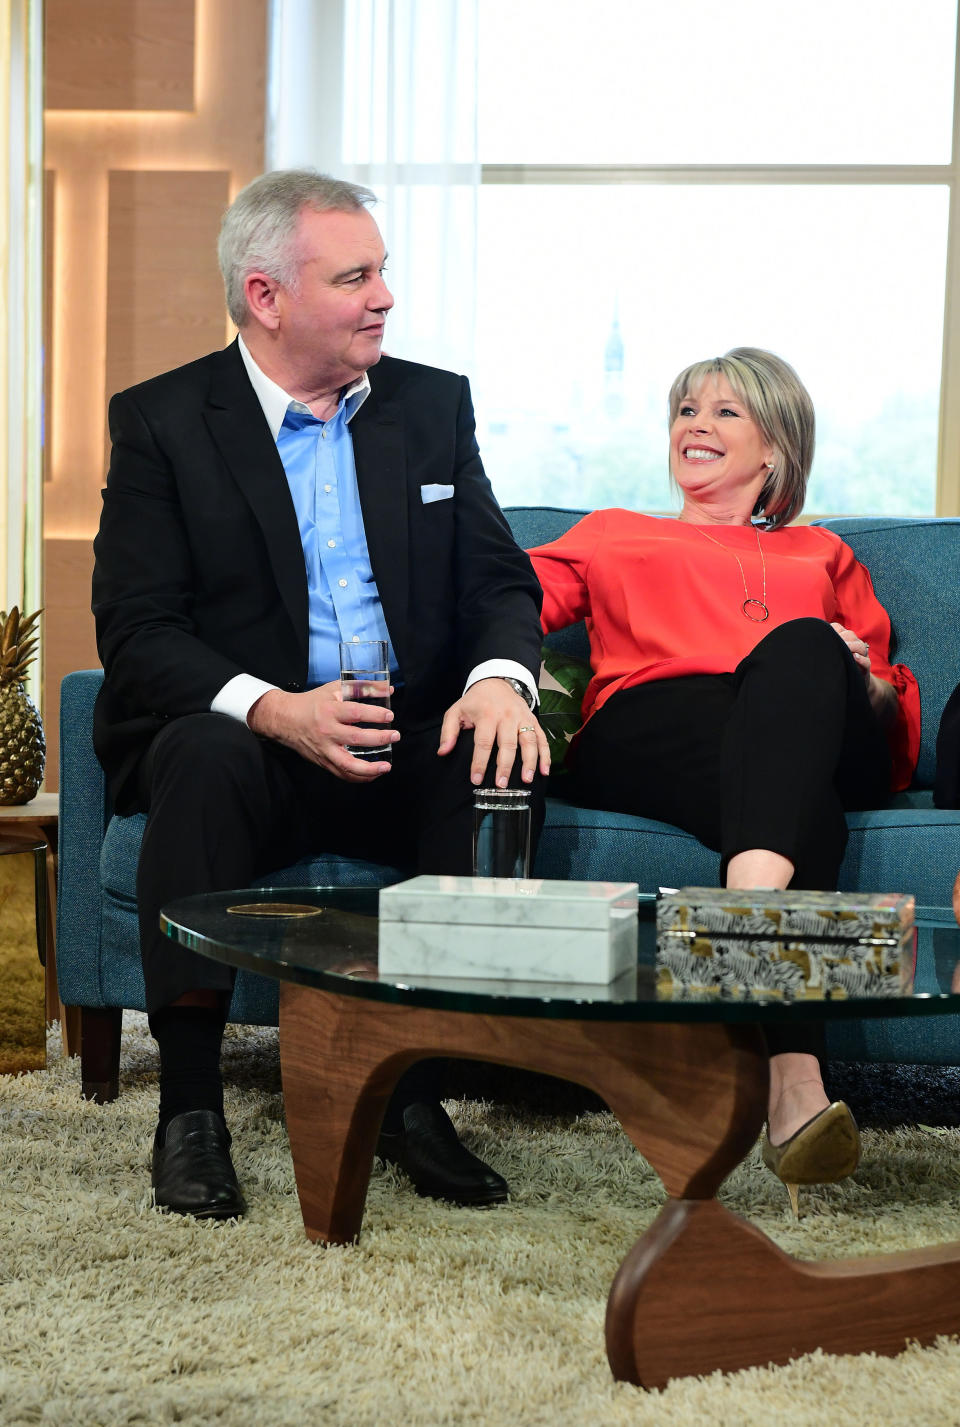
(331, 325)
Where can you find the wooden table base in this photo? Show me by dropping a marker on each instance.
(701, 1289)
(704, 1289)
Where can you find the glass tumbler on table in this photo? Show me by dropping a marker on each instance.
(365, 678)
(501, 832)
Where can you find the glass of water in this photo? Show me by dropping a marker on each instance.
(501, 832)
(365, 677)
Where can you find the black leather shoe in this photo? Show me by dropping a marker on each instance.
(428, 1150)
(192, 1170)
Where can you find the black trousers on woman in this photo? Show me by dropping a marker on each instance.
(766, 757)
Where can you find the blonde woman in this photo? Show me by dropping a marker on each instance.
(742, 687)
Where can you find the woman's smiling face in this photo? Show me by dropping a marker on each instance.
(717, 450)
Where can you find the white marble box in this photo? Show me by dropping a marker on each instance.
(508, 929)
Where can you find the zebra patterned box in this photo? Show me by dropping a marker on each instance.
(785, 946)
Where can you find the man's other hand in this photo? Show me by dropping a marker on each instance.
(498, 716)
(317, 724)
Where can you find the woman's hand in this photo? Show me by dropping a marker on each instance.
(883, 696)
(858, 647)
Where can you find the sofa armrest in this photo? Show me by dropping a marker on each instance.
(84, 814)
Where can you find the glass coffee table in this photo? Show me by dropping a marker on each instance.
(702, 1288)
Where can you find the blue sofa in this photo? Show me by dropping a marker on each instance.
(908, 846)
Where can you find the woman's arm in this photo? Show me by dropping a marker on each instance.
(882, 694)
(562, 567)
(892, 687)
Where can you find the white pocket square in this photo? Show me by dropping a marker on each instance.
(431, 493)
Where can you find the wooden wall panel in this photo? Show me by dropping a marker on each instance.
(69, 638)
(119, 54)
(132, 278)
(49, 298)
(164, 291)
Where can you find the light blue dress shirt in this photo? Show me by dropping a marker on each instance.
(344, 602)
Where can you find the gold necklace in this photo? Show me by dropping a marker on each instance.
(748, 602)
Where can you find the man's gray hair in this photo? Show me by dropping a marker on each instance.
(780, 404)
(258, 228)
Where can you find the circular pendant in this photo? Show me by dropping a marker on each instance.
(749, 605)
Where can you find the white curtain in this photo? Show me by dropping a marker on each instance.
(21, 316)
(384, 92)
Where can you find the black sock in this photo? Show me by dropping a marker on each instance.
(189, 1039)
(421, 1084)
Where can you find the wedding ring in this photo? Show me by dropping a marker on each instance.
(527, 728)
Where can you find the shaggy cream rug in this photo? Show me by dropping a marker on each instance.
(115, 1314)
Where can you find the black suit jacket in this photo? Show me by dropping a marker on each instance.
(199, 571)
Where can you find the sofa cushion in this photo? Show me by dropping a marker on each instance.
(121, 851)
(915, 568)
(908, 847)
(590, 844)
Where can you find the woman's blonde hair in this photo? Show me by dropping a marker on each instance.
(780, 404)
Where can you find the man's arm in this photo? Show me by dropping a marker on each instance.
(144, 580)
(145, 591)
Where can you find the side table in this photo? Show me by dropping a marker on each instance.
(23, 1008)
(37, 821)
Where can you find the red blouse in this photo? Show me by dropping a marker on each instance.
(662, 600)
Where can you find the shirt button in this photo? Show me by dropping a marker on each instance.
(328, 489)
(356, 639)
(342, 584)
(332, 544)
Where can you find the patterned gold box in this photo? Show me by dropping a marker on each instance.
(784, 946)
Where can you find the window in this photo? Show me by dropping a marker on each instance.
(580, 203)
(664, 182)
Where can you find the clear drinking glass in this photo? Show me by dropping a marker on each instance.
(501, 832)
(365, 677)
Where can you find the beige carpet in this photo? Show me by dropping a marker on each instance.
(113, 1314)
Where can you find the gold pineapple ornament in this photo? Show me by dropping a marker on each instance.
(23, 748)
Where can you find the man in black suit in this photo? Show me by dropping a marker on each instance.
(262, 504)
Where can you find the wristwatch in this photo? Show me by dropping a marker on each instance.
(519, 688)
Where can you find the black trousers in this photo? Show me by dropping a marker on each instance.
(225, 807)
(766, 757)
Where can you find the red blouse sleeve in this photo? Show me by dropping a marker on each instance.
(562, 568)
(859, 609)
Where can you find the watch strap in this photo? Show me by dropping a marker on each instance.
(519, 688)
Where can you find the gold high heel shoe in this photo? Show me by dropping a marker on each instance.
(825, 1149)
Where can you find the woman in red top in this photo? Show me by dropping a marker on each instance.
(741, 687)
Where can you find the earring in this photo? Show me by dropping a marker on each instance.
(770, 465)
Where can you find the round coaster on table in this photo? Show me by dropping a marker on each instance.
(273, 909)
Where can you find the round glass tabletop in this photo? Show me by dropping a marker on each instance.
(326, 937)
